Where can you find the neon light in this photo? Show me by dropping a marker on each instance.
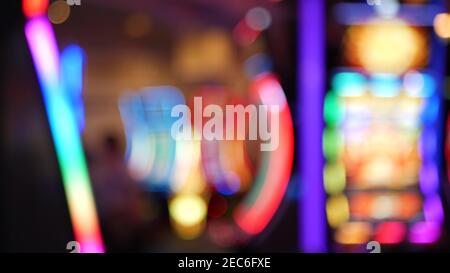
(259, 206)
(64, 130)
(334, 111)
(353, 233)
(152, 155)
(447, 148)
(429, 231)
(419, 84)
(429, 144)
(390, 232)
(188, 213)
(385, 85)
(338, 211)
(349, 84)
(431, 111)
(359, 13)
(433, 210)
(425, 232)
(334, 177)
(184, 166)
(72, 59)
(375, 47)
(442, 25)
(141, 154)
(429, 179)
(188, 208)
(333, 143)
(311, 86)
(34, 8)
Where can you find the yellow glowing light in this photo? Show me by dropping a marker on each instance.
(183, 165)
(334, 178)
(354, 233)
(384, 207)
(442, 25)
(386, 46)
(189, 177)
(338, 211)
(187, 210)
(378, 170)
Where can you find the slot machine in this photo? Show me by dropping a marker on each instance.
(382, 128)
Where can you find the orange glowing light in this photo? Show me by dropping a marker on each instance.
(384, 206)
(354, 233)
(442, 25)
(386, 46)
(33, 8)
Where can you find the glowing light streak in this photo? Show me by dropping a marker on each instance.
(64, 129)
(260, 205)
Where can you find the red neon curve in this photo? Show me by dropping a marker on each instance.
(255, 218)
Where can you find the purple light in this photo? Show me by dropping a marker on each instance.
(44, 51)
(433, 210)
(311, 87)
(428, 143)
(360, 13)
(424, 232)
(429, 178)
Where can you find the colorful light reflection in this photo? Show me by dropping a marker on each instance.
(63, 125)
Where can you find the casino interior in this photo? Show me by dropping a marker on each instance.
(355, 95)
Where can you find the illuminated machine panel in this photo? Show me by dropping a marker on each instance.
(211, 185)
(381, 139)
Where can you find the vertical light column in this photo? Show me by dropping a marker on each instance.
(72, 62)
(64, 128)
(311, 87)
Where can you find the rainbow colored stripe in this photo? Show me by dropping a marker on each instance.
(64, 129)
